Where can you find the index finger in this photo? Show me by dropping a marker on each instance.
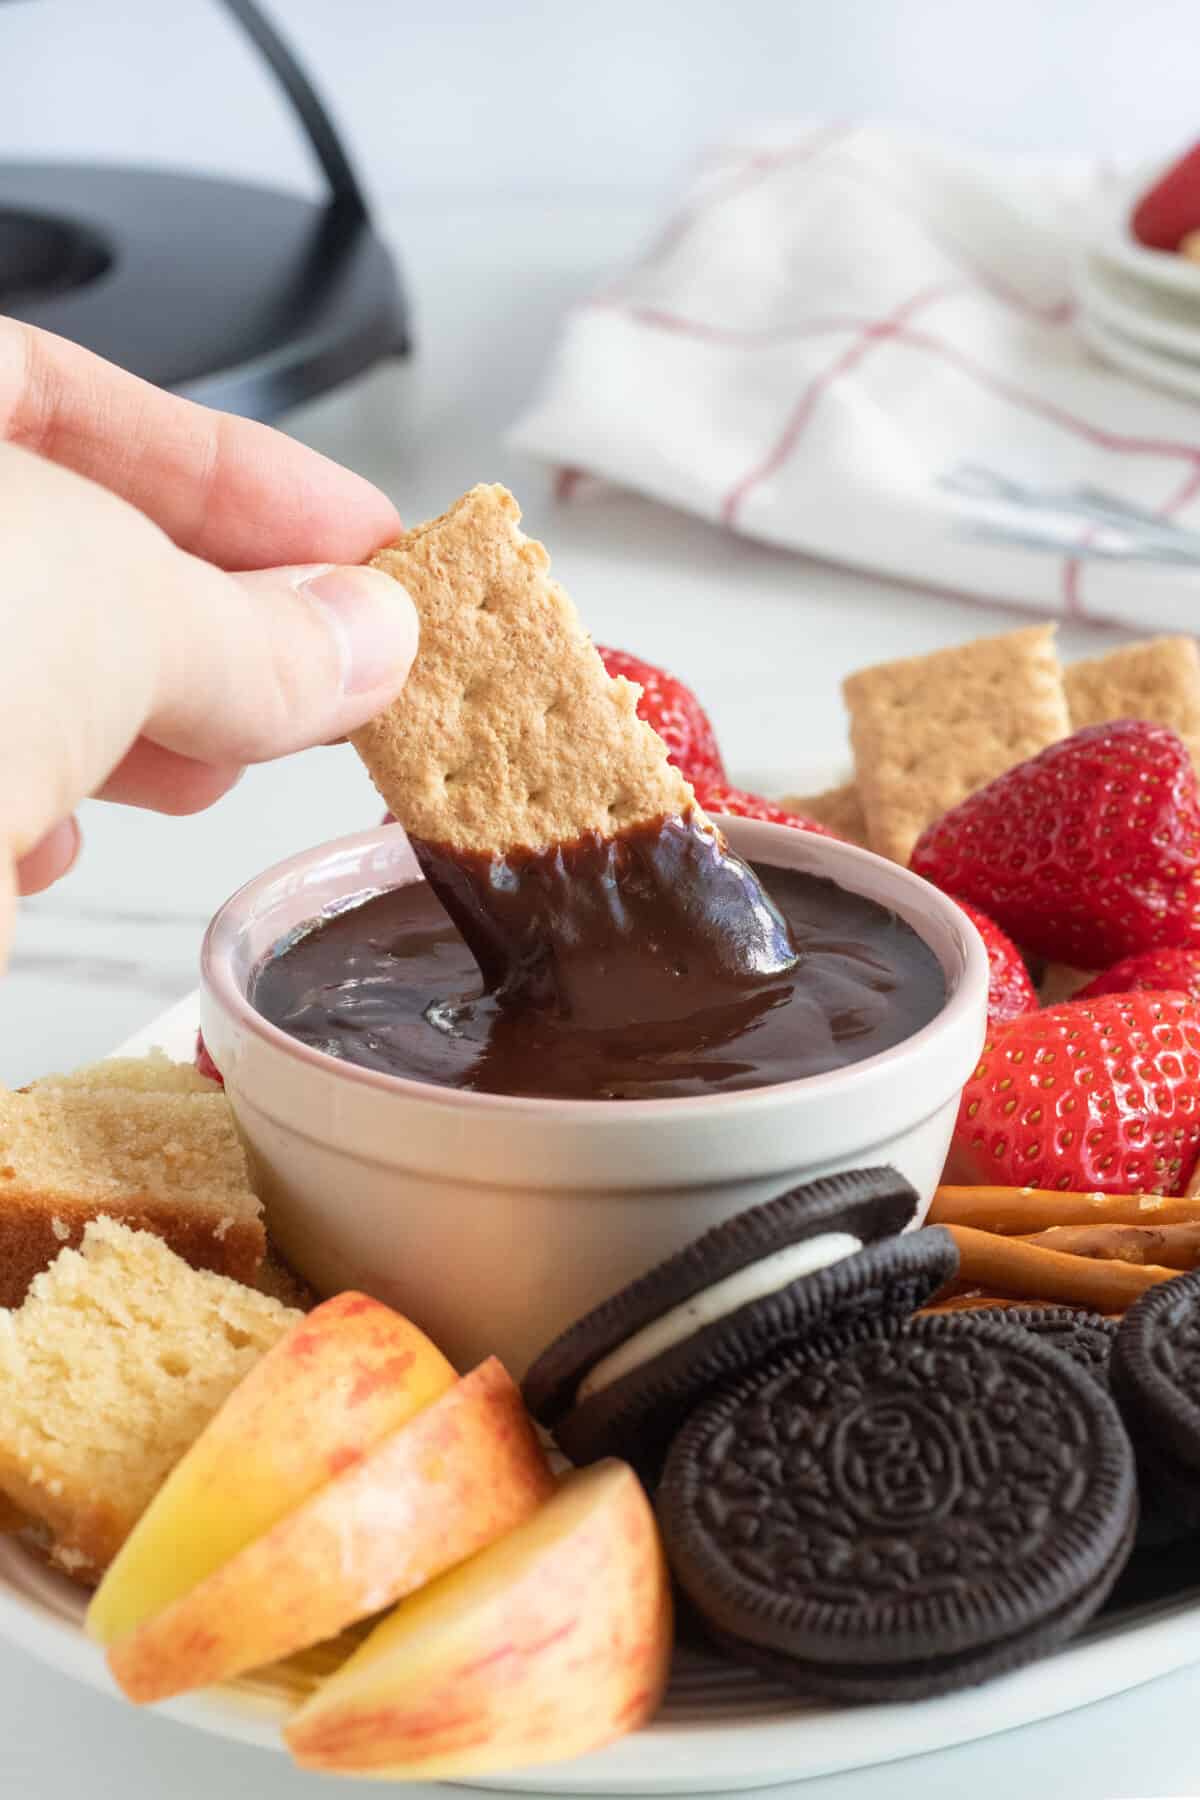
(231, 491)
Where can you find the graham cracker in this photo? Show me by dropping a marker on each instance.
(1061, 982)
(839, 808)
(510, 732)
(1157, 679)
(929, 730)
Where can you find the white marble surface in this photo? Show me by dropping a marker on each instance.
(764, 637)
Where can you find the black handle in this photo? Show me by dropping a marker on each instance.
(318, 127)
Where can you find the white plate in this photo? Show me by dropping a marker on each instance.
(1172, 373)
(722, 1728)
(1163, 320)
(1115, 242)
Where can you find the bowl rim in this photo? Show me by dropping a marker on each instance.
(752, 838)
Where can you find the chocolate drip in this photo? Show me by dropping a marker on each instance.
(640, 925)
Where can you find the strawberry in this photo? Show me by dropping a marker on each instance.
(204, 1062)
(1154, 972)
(1163, 217)
(1086, 853)
(1098, 1095)
(719, 797)
(1010, 990)
(674, 712)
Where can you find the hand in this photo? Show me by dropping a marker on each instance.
(132, 667)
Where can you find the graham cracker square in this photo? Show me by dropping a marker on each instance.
(929, 730)
(839, 808)
(509, 731)
(1158, 680)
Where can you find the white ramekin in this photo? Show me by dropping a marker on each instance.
(494, 1221)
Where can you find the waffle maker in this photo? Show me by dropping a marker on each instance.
(243, 297)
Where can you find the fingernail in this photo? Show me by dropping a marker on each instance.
(373, 621)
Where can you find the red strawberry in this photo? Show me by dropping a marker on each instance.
(719, 797)
(674, 712)
(1010, 990)
(1154, 972)
(204, 1062)
(1099, 1095)
(1164, 216)
(1086, 853)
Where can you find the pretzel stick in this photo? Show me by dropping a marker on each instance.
(971, 1303)
(11, 1517)
(1018, 1211)
(1170, 1246)
(997, 1303)
(1012, 1266)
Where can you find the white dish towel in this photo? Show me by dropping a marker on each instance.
(858, 343)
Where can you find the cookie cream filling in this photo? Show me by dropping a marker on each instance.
(754, 1282)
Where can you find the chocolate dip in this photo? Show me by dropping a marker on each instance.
(650, 965)
(608, 928)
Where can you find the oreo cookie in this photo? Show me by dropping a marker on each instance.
(1087, 1338)
(1156, 1384)
(621, 1380)
(901, 1509)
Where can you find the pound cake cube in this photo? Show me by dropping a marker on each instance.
(929, 730)
(160, 1159)
(118, 1359)
(154, 1073)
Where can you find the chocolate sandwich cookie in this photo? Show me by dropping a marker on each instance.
(901, 1509)
(1156, 1384)
(1087, 1338)
(1090, 1338)
(622, 1379)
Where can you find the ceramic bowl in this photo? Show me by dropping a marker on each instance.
(493, 1220)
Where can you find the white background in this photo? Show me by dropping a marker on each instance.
(518, 150)
(522, 96)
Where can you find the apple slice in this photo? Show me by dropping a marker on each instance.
(548, 1644)
(454, 1479)
(343, 1377)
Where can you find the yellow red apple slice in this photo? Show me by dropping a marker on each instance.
(546, 1645)
(346, 1375)
(462, 1473)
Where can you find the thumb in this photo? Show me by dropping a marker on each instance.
(111, 634)
(258, 664)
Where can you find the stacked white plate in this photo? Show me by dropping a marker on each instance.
(1139, 309)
